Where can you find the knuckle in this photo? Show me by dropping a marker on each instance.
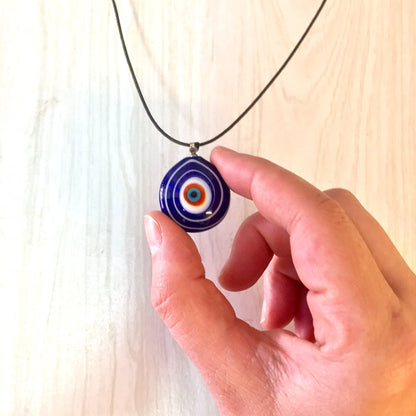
(330, 206)
(333, 212)
(327, 207)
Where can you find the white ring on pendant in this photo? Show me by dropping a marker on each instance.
(193, 209)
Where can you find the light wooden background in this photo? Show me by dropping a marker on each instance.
(80, 165)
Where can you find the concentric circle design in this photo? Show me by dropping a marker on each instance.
(194, 195)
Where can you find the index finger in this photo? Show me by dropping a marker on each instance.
(328, 252)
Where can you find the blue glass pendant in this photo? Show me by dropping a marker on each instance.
(194, 195)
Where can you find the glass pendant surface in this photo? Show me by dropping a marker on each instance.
(194, 195)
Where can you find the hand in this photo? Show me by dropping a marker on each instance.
(330, 267)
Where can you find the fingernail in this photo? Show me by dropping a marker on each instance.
(153, 233)
(263, 313)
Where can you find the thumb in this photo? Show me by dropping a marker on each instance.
(197, 314)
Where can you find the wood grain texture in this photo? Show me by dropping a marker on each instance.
(80, 165)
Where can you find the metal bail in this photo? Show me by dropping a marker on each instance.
(193, 148)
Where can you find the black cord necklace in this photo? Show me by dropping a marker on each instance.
(193, 192)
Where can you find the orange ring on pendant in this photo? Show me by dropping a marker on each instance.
(197, 189)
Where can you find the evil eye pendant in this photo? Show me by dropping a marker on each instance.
(194, 195)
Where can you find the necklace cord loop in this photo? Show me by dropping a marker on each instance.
(242, 115)
(193, 148)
